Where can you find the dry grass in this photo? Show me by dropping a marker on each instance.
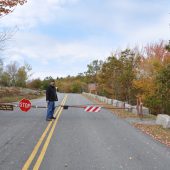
(17, 98)
(13, 94)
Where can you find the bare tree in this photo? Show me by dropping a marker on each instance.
(12, 70)
(6, 36)
(1, 67)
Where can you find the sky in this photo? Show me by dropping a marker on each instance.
(60, 37)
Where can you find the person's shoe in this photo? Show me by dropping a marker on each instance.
(53, 117)
(48, 119)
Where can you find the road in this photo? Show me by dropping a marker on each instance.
(76, 140)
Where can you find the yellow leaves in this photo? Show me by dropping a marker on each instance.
(147, 86)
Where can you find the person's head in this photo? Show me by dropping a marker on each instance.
(52, 82)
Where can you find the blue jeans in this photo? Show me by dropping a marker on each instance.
(50, 110)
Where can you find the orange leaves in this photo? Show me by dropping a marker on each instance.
(7, 5)
(154, 59)
(156, 54)
(156, 132)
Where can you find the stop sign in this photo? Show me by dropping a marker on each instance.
(25, 105)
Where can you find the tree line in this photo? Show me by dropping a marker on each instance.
(14, 75)
(124, 75)
(128, 74)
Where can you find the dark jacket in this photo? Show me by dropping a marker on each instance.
(51, 94)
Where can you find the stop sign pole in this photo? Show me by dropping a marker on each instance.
(25, 105)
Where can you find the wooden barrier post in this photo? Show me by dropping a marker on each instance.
(139, 107)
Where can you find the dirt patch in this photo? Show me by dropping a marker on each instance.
(13, 94)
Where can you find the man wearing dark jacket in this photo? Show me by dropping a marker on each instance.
(51, 97)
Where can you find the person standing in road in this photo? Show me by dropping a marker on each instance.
(51, 97)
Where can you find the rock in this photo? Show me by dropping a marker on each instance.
(109, 101)
(120, 104)
(115, 102)
(163, 120)
(134, 110)
(145, 110)
(128, 107)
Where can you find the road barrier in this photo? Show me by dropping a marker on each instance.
(119, 104)
(25, 105)
(86, 107)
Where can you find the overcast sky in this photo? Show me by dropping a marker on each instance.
(60, 37)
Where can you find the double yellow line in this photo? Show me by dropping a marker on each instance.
(46, 143)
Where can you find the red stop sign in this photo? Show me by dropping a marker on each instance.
(25, 105)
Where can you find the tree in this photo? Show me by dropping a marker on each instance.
(3, 38)
(108, 77)
(6, 35)
(129, 61)
(117, 75)
(35, 84)
(76, 87)
(5, 79)
(45, 82)
(12, 70)
(28, 69)
(155, 59)
(21, 77)
(7, 6)
(1, 67)
(163, 80)
(92, 70)
(167, 46)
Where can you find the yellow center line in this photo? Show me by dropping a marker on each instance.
(44, 149)
(37, 146)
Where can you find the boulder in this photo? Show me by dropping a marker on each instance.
(134, 110)
(115, 103)
(109, 101)
(128, 107)
(120, 104)
(164, 120)
(145, 110)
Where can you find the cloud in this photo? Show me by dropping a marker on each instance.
(60, 58)
(43, 47)
(34, 12)
(62, 35)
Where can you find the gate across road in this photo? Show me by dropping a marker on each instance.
(25, 105)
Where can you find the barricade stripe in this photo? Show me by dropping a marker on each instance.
(89, 109)
(95, 109)
(99, 108)
(85, 108)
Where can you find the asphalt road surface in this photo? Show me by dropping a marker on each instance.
(76, 140)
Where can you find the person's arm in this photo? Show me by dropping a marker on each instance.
(47, 94)
(56, 97)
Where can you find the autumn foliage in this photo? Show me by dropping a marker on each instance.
(7, 6)
(152, 83)
(128, 74)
